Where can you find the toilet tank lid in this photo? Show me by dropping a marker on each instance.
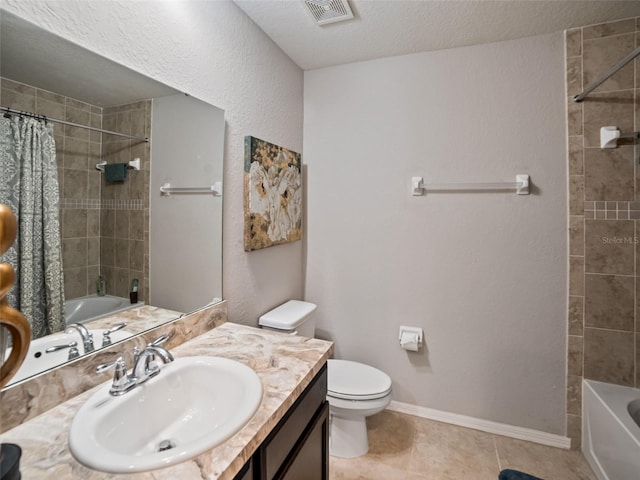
(288, 316)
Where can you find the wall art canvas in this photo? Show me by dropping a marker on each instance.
(272, 195)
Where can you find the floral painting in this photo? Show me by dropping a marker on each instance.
(272, 195)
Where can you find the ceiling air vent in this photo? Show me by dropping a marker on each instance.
(329, 11)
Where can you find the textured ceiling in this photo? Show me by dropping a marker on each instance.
(39, 58)
(383, 28)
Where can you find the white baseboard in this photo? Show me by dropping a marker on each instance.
(488, 426)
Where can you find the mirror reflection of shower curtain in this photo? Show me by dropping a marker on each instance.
(29, 186)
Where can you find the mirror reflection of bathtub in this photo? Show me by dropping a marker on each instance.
(84, 310)
(38, 360)
(109, 319)
(93, 307)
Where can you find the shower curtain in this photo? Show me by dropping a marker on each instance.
(29, 186)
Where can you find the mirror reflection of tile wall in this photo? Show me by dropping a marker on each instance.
(125, 205)
(96, 220)
(604, 210)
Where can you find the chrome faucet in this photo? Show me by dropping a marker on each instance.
(145, 365)
(87, 338)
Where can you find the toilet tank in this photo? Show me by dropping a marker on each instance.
(294, 317)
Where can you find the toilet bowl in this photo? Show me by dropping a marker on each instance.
(354, 390)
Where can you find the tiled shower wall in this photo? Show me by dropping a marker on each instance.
(77, 152)
(104, 226)
(125, 205)
(604, 214)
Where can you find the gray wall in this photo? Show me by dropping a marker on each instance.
(484, 274)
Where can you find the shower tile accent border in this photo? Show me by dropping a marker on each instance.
(101, 203)
(598, 248)
(80, 203)
(611, 210)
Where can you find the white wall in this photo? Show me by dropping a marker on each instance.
(187, 149)
(214, 52)
(482, 273)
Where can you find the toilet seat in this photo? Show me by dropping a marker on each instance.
(356, 381)
(344, 408)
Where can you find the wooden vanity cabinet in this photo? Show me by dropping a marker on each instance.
(310, 460)
(246, 473)
(298, 447)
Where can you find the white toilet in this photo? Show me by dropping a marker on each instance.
(355, 390)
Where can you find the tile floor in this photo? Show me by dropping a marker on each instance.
(404, 447)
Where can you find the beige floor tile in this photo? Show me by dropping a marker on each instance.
(404, 447)
(442, 451)
(545, 462)
(391, 436)
(461, 475)
(362, 468)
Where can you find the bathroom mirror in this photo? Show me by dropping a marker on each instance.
(123, 230)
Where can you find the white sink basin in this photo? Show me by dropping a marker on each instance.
(38, 361)
(194, 404)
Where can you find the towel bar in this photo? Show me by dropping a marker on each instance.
(521, 186)
(215, 189)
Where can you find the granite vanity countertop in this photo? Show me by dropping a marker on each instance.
(286, 364)
(138, 319)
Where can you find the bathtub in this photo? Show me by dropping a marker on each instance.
(611, 430)
(92, 307)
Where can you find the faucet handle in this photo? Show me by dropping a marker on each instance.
(122, 382)
(106, 335)
(136, 355)
(159, 341)
(55, 348)
(103, 367)
(120, 326)
(72, 346)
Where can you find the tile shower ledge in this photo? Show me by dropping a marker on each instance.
(286, 365)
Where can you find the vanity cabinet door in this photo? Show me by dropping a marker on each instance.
(276, 455)
(246, 473)
(310, 461)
